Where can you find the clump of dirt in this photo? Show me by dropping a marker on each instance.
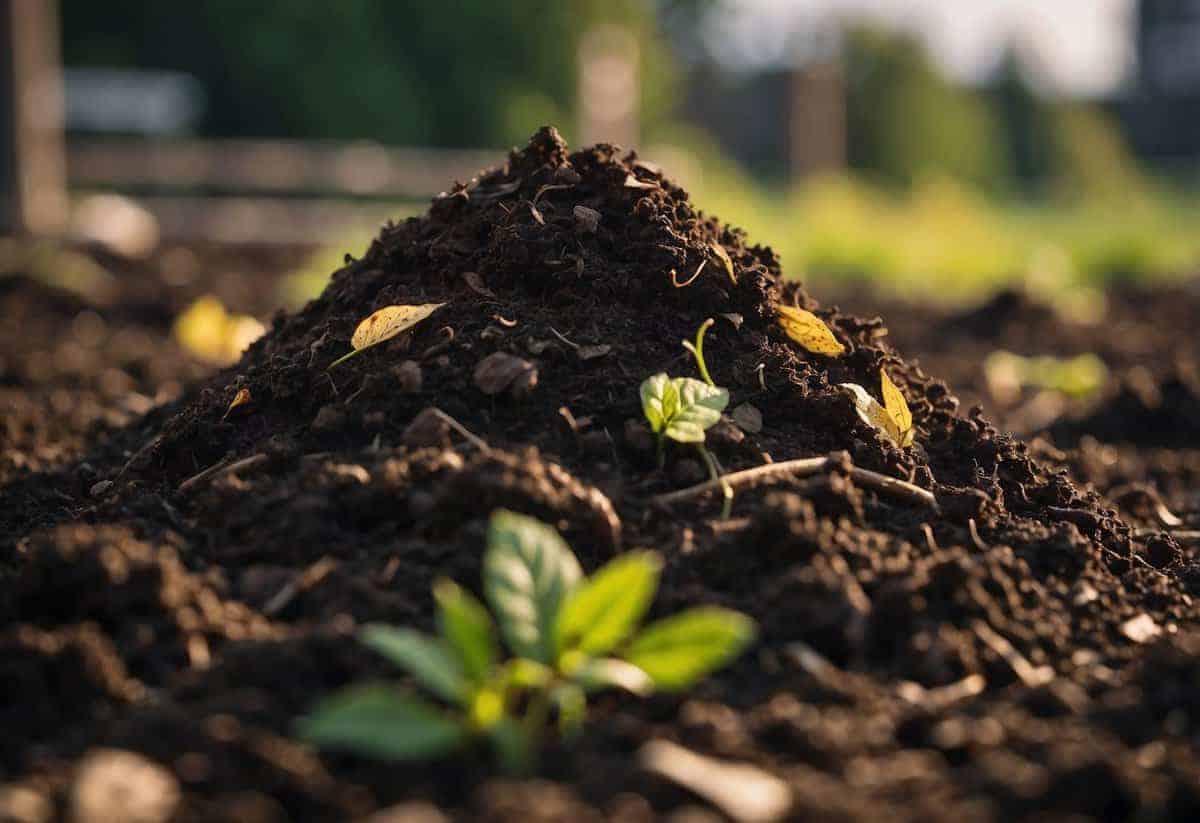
(927, 662)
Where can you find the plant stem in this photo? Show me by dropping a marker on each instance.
(536, 714)
(803, 468)
(697, 350)
(714, 472)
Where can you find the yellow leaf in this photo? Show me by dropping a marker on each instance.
(240, 399)
(872, 413)
(206, 329)
(809, 331)
(385, 324)
(723, 256)
(897, 409)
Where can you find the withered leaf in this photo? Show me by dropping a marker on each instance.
(809, 331)
(719, 251)
(501, 371)
(385, 324)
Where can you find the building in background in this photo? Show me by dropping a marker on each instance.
(1160, 112)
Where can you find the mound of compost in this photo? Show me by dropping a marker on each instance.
(1016, 650)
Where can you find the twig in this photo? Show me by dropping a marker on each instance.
(1029, 674)
(475, 440)
(220, 469)
(803, 467)
(302, 582)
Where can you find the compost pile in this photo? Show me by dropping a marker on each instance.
(1019, 647)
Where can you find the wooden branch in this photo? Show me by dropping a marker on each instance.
(804, 467)
(220, 469)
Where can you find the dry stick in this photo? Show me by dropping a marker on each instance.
(802, 468)
(473, 438)
(220, 469)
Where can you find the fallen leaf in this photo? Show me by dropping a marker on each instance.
(809, 331)
(500, 371)
(893, 421)
(475, 281)
(723, 256)
(592, 352)
(240, 399)
(897, 409)
(206, 329)
(748, 418)
(588, 220)
(385, 324)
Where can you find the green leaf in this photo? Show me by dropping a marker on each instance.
(527, 572)
(571, 702)
(521, 674)
(700, 406)
(660, 400)
(467, 627)
(513, 747)
(378, 721)
(425, 658)
(604, 610)
(682, 407)
(679, 650)
(600, 673)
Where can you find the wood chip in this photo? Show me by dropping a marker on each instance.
(746, 793)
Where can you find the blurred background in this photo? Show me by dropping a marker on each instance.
(933, 149)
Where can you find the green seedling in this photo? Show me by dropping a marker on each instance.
(683, 408)
(569, 635)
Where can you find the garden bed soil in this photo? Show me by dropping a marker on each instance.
(1026, 650)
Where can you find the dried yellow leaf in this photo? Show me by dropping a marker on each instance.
(385, 324)
(809, 331)
(723, 256)
(897, 409)
(893, 420)
(209, 331)
(240, 399)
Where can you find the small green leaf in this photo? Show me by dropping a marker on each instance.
(571, 702)
(700, 406)
(467, 627)
(679, 650)
(520, 673)
(604, 610)
(600, 673)
(527, 572)
(682, 407)
(423, 657)
(378, 721)
(660, 401)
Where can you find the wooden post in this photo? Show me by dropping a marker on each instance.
(33, 197)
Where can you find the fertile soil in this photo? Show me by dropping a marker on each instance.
(1025, 650)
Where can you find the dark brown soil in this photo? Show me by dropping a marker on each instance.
(982, 661)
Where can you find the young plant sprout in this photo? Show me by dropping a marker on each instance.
(570, 635)
(683, 408)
